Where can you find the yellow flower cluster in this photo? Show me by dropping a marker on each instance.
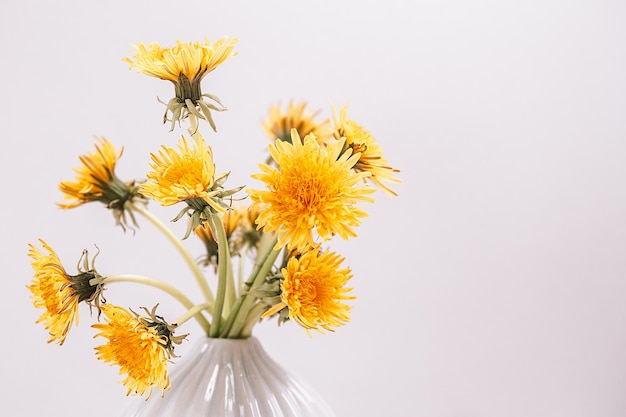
(313, 182)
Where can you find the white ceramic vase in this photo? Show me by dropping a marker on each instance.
(231, 378)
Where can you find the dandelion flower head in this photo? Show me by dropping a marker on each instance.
(185, 65)
(180, 176)
(314, 289)
(193, 60)
(371, 159)
(312, 191)
(298, 116)
(58, 292)
(140, 346)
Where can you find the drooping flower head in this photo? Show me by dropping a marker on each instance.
(298, 116)
(96, 181)
(314, 290)
(140, 345)
(312, 191)
(371, 159)
(187, 175)
(185, 65)
(59, 293)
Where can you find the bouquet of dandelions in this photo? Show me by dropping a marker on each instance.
(315, 176)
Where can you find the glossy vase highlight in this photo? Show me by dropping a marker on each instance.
(231, 378)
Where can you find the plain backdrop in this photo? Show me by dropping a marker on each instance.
(493, 286)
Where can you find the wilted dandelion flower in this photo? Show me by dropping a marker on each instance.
(59, 293)
(96, 181)
(140, 345)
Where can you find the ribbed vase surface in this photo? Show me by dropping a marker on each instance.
(231, 378)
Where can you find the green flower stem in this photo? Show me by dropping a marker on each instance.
(257, 277)
(193, 312)
(253, 318)
(193, 266)
(228, 324)
(240, 268)
(262, 252)
(231, 295)
(224, 272)
(164, 286)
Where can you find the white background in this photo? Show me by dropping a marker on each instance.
(493, 286)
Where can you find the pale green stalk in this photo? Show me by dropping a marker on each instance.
(234, 312)
(192, 313)
(223, 271)
(265, 245)
(253, 317)
(189, 260)
(262, 251)
(257, 277)
(242, 259)
(169, 289)
(231, 294)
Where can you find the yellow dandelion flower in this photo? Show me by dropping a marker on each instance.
(314, 290)
(59, 293)
(311, 189)
(187, 175)
(185, 65)
(140, 345)
(279, 123)
(96, 181)
(181, 176)
(371, 159)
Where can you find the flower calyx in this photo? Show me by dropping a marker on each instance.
(164, 329)
(200, 209)
(88, 286)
